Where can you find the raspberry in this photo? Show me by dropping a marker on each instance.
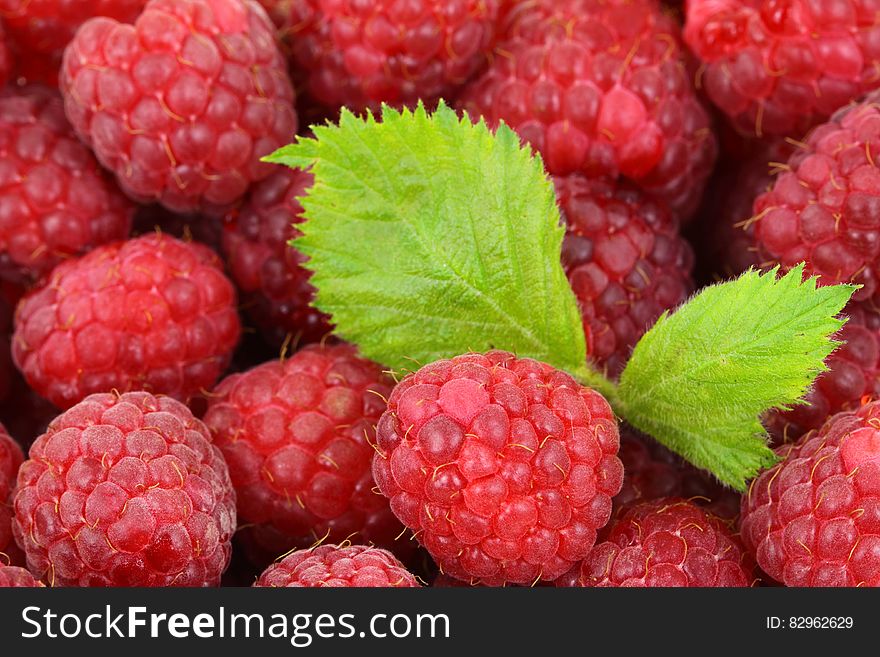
(6, 59)
(151, 313)
(650, 472)
(824, 207)
(10, 460)
(338, 566)
(504, 468)
(181, 105)
(625, 261)
(360, 54)
(814, 518)
(297, 435)
(14, 577)
(665, 542)
(779, 67)
(126, 490)
(55, 200)
(601, 87)
(275, 287)
(853, 373)
(40, 29)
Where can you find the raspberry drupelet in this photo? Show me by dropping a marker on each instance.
(151, 313)
(55, 200)
(813, 519)
(338, 566)
(626, 263)
(298, 437)
(600, 87)
(361, 54)
(275, 288)
(181, 105)
(504, 468)
(668, 542)
(126, 490)
(779, 68)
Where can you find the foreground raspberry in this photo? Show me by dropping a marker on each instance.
(14, 577)
(504, 468)
(55, 200)
(853, 374)
(824, 208)
(182, 105)
(152, 313)
(126, 490)
(10, 460)
(667, 542)
(360, 54)
(275, 287)
(625, 261)
(40, 29)
(297, 435)
(601, 87)
(778, 68)
(814, 518)
(650, 472)
(337, 566)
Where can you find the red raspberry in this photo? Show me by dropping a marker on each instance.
(55, 200)
(824, 208)
(181, 105)
(275, 287)
(625, 261)
(6, 59)
(14, 577)
(10, 460)
(503, 467)
(665, 542)
(814, 518)
(650, 472)
(338, 566)
(153, 312)
(360, 54)
(854, 373)
(40, 29)
(298, 436)
(601, 87)
(126, 490)
(778, 67)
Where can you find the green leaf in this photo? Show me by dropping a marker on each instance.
(430, 236)
(699, 380)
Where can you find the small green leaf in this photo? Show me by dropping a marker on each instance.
(699, 380)
(430, 236)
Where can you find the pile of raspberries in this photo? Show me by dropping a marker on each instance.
(152, 435)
